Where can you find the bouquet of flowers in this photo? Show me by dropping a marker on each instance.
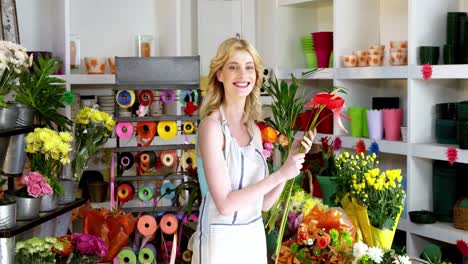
(37, 250)
(13, 60)
(36, 186)
(364, 254)
(92, 129)
(85, 248)
(48, 152)
(374, 199)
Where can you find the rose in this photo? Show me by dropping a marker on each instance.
(323, 241)
(34, 190)
(269, 134)
(35, 177)
(302, 236)
(46, 189)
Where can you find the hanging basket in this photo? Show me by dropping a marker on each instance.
(460, 216)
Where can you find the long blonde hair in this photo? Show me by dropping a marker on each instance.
(215, 90)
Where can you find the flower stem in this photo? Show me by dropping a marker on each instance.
(313, 124)
(284, 219)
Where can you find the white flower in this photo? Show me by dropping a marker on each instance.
(310, 241)
(359, 249)
(375, 254)
(402, 260)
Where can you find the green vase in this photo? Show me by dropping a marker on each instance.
(328, 188)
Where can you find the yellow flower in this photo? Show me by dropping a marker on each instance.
(64, 148)
(66, 136)
(96, 117)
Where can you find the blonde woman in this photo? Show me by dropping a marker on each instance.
(234, 179)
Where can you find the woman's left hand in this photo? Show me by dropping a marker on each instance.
(305, 141)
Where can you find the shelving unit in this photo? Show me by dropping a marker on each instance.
(356, 25)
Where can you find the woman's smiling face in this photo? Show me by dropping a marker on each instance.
(238, 74)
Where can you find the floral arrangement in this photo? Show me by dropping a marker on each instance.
(85, 248)
(37, 250)
(364, 254)
(323, 162)
(92, 129)
(49, 150)
(13, 61)
(36, 186)
(301, 204)
(377, 195)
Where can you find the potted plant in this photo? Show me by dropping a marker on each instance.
(7, 209)
(45, 94)
(29, 196)
(92, 129)
(48, 151)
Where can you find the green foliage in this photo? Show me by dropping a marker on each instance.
(45, 94)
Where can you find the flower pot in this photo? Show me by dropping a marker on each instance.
(15, 155)
(4, 142)
(62, 224)
(69, 191)
(44, 230)
(328, 188)
(49, 203)
(7, 216)
(27, 208)
(375, 124)
(7, 250)
(8, 117)
(357, 120)
(392, 119)
(25, 115)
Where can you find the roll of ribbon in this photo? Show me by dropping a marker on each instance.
(168, 96)
(145, 97)
(125, 99)
(167, 129)
(146, 191)
(147, 255)
(187, 256)
(188, 128)
(124, 130)
(147, 159)
(191, 218)
(190, 158)
(169, 224)
(125, 160)
(127, 256)
(168, 158)
(188, 96)
(147, 225)
(125, 192)
(146, 131)
(167, 189)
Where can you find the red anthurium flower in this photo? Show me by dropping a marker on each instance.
(330, 101)
(463, 247)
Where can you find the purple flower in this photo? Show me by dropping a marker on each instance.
(89, 245)
(291, 220)
(337, 143)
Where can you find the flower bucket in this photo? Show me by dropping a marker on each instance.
(8, 216)
(49, 203)
(15, 155)
(392, 122)
(7, 252)
(62, 224)
(44, 230)
(8, 117)
(328, 188)
(69, 191)
(375, 124)
(4, 142)
(356, 124)
(25, 115)
(27, 208)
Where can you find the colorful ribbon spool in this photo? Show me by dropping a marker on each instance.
(127, 256)
(168, 96)
(125, 98)
(125, 160)
(167, 189)
(146, 131)
(188, 96)
(147, 160)
(124, 130)
(169, 224)
(146, 191)
(125, 192)
(145, 97)
(190, 158)
(167, 129)
(187, 256)
(147, 227)
(147, 255)
(168, 158)
(188, 128)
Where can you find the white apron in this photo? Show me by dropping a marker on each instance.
(240, 237)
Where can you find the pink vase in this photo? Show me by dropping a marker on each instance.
(392, 119)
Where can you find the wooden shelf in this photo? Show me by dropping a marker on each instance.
(458, 71)
(320, 74)
(22, 226)
(437, 151)
(90, 79)
(445, 232)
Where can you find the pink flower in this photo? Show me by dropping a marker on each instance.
(46, 189)
(268, 146)
(266, 153)
(35, 177)
(34, 190)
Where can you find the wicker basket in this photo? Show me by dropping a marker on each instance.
(460, 216)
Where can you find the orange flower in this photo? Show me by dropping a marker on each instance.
(283, 140)
(269, 134)
(323, 240)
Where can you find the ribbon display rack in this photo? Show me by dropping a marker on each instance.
(157, 99)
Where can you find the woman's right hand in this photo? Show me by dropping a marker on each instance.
(293, 164)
